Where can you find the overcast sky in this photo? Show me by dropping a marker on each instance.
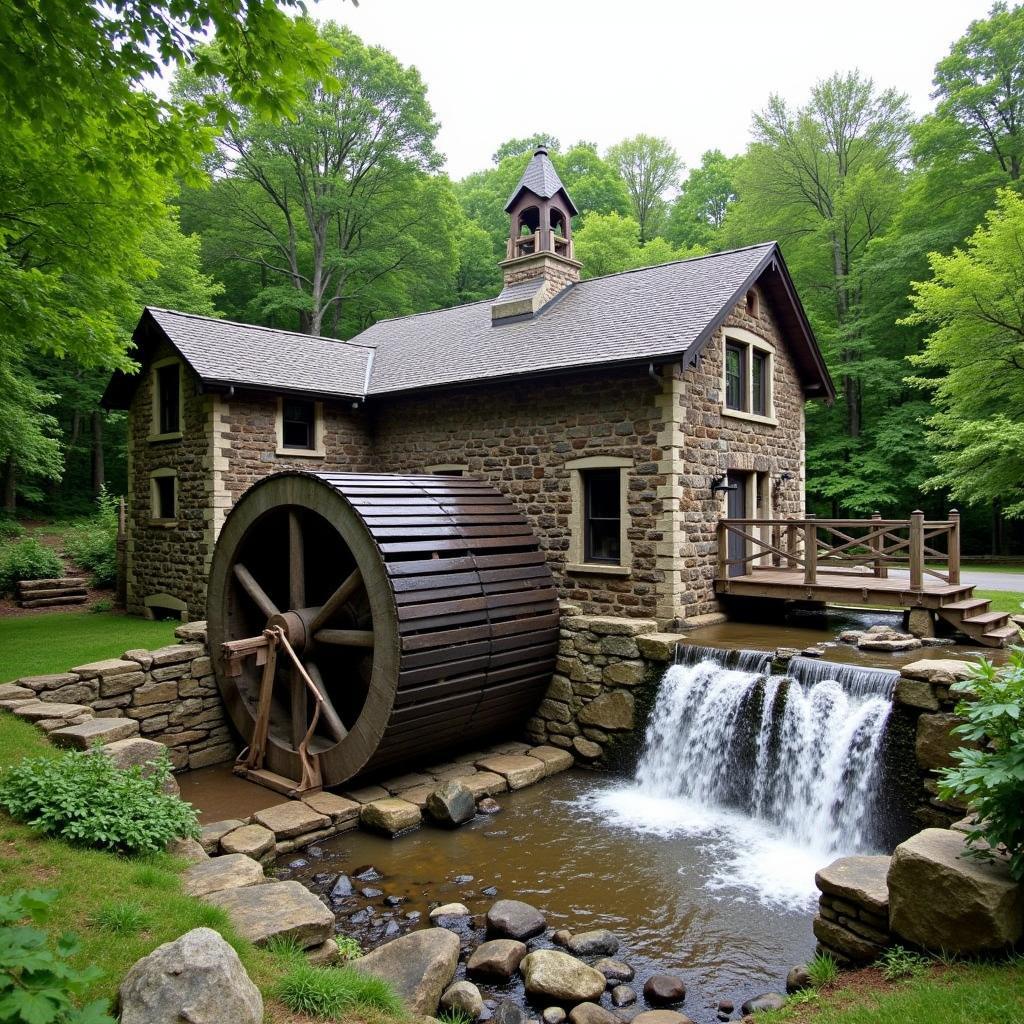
(601, 70)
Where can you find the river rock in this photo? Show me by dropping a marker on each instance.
(488, 805)
(197, 977)
(451, 804)
(798, 979)
(662, 1017)
(418, 966)
(449, 910)
(552, 974)
(592, 1013)
(463, 997)
(599, 942)
(496, 959)
(189, 850)
(767, 1001)
(664, 989)
(553, 1015)
(614, 970)
(506, 1012)
(229, 872)
(287, 909)
(943, 900)
(561, 937)
(390, 816)
(342, 888)
(623, 995)
(938, 670)
(936, 740)
(514, 919)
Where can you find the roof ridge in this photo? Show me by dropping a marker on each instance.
(261, 327)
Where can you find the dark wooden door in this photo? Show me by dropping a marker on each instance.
(737, 509)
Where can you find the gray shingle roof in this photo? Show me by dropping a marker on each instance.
(224, 352)
(541, 178)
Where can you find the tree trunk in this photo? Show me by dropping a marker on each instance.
(997, 527)
(98, 475)
(10, 487)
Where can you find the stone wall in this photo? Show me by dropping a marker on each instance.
(605, 680)
(171, 693)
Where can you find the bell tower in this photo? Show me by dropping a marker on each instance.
(539, 259)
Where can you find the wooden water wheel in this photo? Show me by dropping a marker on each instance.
(362, 622)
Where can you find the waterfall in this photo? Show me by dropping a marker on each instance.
(798, 753)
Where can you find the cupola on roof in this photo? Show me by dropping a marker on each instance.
(541, 178)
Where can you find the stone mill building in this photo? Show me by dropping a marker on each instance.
(624, 415)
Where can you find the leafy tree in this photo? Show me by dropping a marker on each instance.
(524, 146)
(478, 275)
(973, 360)
(593, 183)
(697, 215)
(650, 167)
(607, 243)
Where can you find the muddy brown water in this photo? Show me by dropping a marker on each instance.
(582, 873)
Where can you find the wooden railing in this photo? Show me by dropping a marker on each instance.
(526, 245)
(844, 547)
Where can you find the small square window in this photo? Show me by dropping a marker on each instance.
(165, 497)
(735, 376)
(168, 389)
(298, 424)
(759, 383)
(602, 516)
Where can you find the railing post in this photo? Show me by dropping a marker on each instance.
(916, 550)
(791, 546)
(723, 550)
(881, 571)
(810, 550)
(954, 547)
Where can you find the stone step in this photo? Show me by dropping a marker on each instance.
(287, 909)
(38, 711)
(96, 730)
(51, 602)
(50, 584)
(42, 594)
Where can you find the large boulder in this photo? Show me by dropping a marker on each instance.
(514, 919)
(497, 959)
(197, 978)
(860, 880)
(451, 804)
(136, 751)
(552, 974)
(286, 909)
(936, 740)
(418, 966)
(944, 900)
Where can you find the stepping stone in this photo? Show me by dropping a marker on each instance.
(12, 691)
(96, 730)
(418, 794)
(390, 816)
(482, 784)
(555, 760)
(367, 794)
(188, 850)
(517, 769)
(229, 872)
(860, 880)
(396, 785)
(287, 909)
(496, 959)
(210, 835)
(292, 818)
(249, 840)
(337, 808)
(39, 710)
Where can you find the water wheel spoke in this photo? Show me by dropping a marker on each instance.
(259, 596)
(351, 584)
(345, 637)
(296, 562)
(327, 709)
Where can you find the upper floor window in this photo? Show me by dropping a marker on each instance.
(748, 374)
(298, 424)
(602, 516)
(167, 398)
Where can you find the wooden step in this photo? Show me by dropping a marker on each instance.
(985, 619)
(1003, 633)
(51, 584)
(965, 606)
(54, 601)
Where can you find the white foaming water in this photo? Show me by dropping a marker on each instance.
(775, 774)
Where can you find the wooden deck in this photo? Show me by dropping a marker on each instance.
(847, 561)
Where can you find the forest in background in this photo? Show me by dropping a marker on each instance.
(291, 179)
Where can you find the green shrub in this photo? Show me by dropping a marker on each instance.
(897, 962)
(37, 984)
(348, 947)
(27, 560)
(332, 993)
(92, 543)
(82, 797)
(823, 970)
(10, 529)
(991, 779)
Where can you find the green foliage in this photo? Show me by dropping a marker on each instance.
(697, 215)
(93, 543)
(123, 917)
(334, 993)
(348, 947)
(524, 146)
(83, 798)
(989, 775)
(896, 963)
(609, 243)
(823, 970)
(38, 985)
(10, 529)
(650, 167)
(455, 1017)
(27, 560)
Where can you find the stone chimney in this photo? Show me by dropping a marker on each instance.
(539, 259)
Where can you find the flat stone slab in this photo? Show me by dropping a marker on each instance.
(607, 625)
(482, 784)
(175, 654)
(659, 646)
(288, 909)
(390, 816)
(418, 794)
(860, 879)
(292, 818)
(555, 760)
(418, 966)
(52, 681)
(249, 840)
(519, 770)
(366, 794)
(337, 808)
(938, 670)
(211, 834)
(105, 668)
(96, 730)
(231, 871)
(12, 691)
(408, 781)
(39, 710)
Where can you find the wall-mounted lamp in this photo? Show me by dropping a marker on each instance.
(723, 484)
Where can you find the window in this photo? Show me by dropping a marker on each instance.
(735, 374)
(602, 516)
(298, 424)
(163, 495)
(747, 375)
(166, 399)
(753, 304)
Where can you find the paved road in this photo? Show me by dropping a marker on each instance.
(982, 580)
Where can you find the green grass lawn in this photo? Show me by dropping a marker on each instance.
(37, 644)
(1003, 600)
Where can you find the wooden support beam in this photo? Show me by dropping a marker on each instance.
(345, 637)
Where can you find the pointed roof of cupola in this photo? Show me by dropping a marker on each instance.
(541, 178)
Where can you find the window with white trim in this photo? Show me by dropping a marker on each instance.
(748, 373)
(598, 538)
